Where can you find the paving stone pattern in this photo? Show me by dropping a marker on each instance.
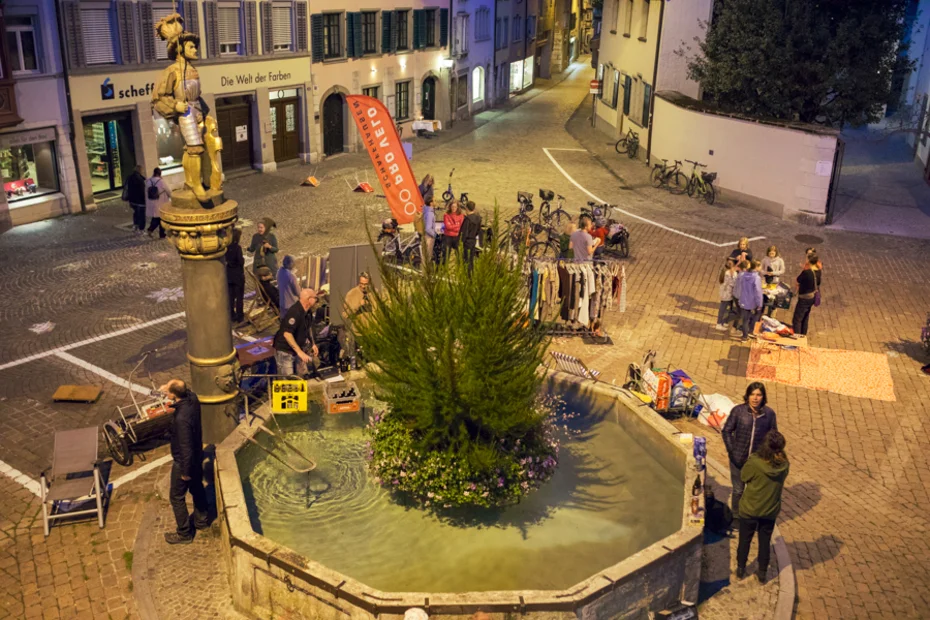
(855, 507)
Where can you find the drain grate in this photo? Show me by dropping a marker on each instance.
(481, 160)
(811, 239)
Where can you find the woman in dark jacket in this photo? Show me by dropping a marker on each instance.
(743, 432)
(808, 287)
(265, 247)
(764, 475)
(235, 276)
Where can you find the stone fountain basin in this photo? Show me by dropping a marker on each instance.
(269, 580)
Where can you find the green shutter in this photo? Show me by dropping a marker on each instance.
(354, 35)
(647, 98)
(627, 87)
(419, 28)
(386, 31)
(443, 27)
(395, 21)
(316, 37)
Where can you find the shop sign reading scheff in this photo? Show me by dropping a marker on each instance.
(95, 92)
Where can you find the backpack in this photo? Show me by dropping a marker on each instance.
(718, 516)
(152, 191)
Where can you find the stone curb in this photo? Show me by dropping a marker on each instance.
(787, 584)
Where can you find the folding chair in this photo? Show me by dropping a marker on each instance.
(74, 477)
(260, 311)
(572, 365)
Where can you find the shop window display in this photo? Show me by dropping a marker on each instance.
(29, 170)
(169, 143)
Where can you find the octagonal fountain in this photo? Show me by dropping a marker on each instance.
(607, 537)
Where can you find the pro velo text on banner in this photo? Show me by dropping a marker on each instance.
(387, 155)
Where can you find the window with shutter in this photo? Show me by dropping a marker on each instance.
(419, 26)
(429, 28)
(483, 24)
(267, 28)
(369, 25)
(74, 39)
(211, 47)
(301, 19)
(402, 99)
(518, 28)
(250, 20)
(229, 30)
(386, 28)
(647, 99)
(191, 15)
(317, 38)
(281, 22)
(332, 35)
(161, 47)
(627, 87)
(128, 52)
(443, 27)
(353, 35)
(146, 26)
(97, 35)
(401, 40)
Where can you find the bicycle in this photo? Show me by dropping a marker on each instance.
(628, 144)
(447, 195)
(702, 184)
(669, 177)
(399, 251)
(548, 248)
(555, 218)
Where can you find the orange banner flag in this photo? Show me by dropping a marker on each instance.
(376, 127)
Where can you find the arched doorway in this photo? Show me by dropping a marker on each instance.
(429, 98)
(333, 124)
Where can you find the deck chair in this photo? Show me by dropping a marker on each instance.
(260, 313)
(74, 478)
(572, 365)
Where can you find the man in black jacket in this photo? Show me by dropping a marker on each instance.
(187, 469)
(471, 228)
(134, 194)
(743, 432)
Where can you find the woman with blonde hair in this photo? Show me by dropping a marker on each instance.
(742, 251)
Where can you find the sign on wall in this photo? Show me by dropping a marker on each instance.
(242, 133)
(101, 91)
(33, 136)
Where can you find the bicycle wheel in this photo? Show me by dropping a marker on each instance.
(559, 218)
(634, 149)
(117, 444)
(543, 249)
(447, 196)
(711, 195)
(692, 186)
(658, 176)
(677, 184)
(622, 145)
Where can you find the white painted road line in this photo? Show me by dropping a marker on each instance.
(141, 471)
(20, 478)
(109, 376)
(68, 347)
(633, 215)
(35, 488)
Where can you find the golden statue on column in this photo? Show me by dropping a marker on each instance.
(177, 98)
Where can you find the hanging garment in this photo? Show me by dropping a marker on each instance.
(565, 293)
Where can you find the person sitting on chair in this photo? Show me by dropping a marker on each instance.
(266, 281)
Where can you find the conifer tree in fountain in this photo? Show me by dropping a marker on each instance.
(457, 361)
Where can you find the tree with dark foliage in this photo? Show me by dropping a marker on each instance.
(814, 61)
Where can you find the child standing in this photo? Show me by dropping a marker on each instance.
(727, 281)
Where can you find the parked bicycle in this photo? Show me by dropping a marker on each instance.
(448, 195)
(628, 144)
(702, 184)
(546, 215)
(670, 177)
(397, 250)
(547, 247)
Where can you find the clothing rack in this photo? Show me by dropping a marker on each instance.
(570, 299)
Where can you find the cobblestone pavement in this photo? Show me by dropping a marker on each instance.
(857, 497)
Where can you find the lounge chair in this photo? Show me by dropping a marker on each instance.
(74, 478)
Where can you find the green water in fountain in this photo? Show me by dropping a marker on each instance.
(609, 499)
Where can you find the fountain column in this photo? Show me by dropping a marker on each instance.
(201, 237)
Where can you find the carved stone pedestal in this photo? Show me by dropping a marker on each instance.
(201, 237)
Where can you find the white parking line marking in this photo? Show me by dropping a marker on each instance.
(35, 488)
(141, 471)
(633, 215)
(68, 347)
(20, 478)
(109, 376)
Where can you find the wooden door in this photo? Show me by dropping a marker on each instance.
(284, 134)
(234, 124)
(429, 99)
(333, 125)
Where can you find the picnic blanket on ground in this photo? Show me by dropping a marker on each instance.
(852, 373)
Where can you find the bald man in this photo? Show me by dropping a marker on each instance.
(296, 334)
(187, 469)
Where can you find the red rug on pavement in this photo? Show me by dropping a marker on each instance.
(851, 373)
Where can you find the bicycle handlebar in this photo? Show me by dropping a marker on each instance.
(696, 163)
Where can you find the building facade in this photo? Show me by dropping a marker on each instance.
(637, 57)
(36, 155)
(472, 51)
(515, 27)
(399, 55)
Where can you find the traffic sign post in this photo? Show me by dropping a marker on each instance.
(595, 87)
(595, 90)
